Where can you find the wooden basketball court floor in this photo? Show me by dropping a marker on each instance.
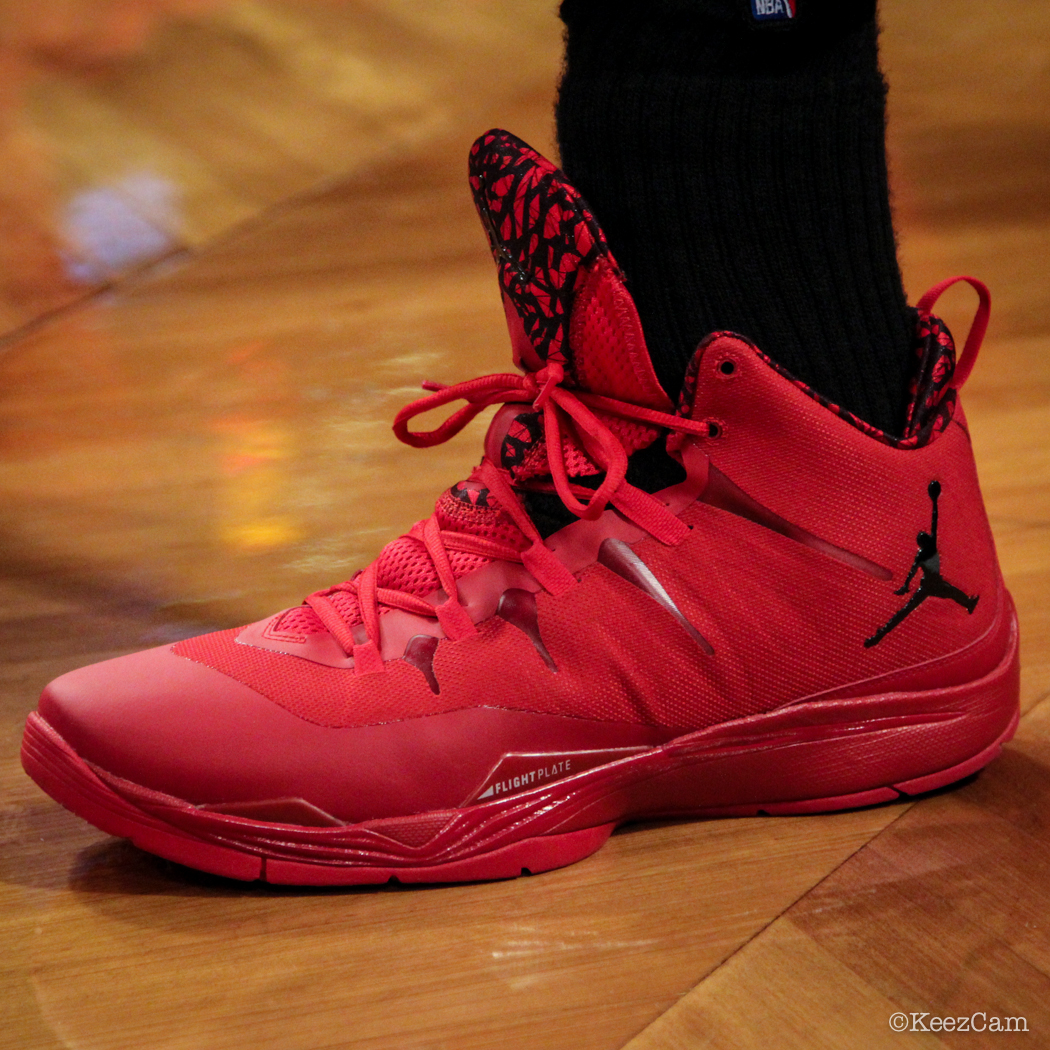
(230, 259)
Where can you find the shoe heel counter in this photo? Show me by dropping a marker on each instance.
(976, 525)
(965, 546)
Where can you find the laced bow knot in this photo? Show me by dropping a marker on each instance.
(559, 405)
(562, 408)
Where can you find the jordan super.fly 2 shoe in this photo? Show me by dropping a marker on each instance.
(805, 615)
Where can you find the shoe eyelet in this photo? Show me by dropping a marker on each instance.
(727, 367)
(715, 429)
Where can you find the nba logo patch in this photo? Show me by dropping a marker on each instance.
(773, 10)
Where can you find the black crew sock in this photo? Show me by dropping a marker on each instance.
(738, 169)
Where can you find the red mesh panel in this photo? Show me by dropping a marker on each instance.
(404, 565)
(608, 347)
(577, 462)
(300, 620)
(631, 434)
(488, 522)
(535, 463)
(347, 607)
(463, 562)
(415, 582)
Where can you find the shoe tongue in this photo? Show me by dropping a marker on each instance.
(563, 293)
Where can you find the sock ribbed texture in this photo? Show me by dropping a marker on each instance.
(739, 173)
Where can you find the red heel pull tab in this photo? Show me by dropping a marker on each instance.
(977, 330)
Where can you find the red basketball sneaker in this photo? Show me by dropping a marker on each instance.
(805, 615)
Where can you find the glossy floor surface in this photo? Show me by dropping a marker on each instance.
(194, 431)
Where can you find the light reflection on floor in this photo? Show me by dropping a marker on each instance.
(107, 231)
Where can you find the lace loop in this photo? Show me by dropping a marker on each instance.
(978, 328)
(478, 393)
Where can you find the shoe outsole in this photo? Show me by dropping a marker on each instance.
(831, 755)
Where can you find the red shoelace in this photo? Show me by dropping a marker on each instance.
(561, 407)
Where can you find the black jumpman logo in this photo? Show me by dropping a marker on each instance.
(932, 584)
